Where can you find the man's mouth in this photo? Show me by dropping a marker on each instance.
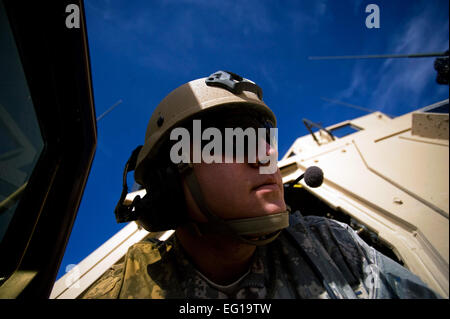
(267, 187)
(268, 184)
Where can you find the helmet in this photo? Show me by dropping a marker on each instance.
(220, 90)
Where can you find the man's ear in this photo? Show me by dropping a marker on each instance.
(192, 208)
(167, 207)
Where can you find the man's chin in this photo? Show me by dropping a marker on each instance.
(272, 208)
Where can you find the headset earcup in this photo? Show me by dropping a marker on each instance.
(164, 206)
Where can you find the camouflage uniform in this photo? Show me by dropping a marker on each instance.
(315, 258)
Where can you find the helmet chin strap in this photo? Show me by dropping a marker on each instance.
(255, 230)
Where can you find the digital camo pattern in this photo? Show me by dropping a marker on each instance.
(324, 251)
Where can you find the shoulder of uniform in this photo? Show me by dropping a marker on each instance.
(325, 229)
(331, 223)
(150, 249)
(108, 286)
(312, 221)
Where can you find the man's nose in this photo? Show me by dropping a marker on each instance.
(270, 151)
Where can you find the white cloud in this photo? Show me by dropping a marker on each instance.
(321, 8)
(402, 80)
(253, 14)
(359, 78)
(357, 6)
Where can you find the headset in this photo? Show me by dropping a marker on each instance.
(163, 207)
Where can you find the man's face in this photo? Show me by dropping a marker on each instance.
(237, 190)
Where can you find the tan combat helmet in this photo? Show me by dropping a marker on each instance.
(219, 91)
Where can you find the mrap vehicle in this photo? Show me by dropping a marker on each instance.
(385, 177)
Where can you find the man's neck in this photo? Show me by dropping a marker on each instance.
(220, 259)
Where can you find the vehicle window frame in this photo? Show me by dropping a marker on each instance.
(56, 63)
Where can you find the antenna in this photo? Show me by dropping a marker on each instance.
(349, 105)
(380, 56)
(109, 110)
(441, 64)
(353, 106)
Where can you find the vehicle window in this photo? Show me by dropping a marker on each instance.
(20, 138)
(344, 130)
(438, 109)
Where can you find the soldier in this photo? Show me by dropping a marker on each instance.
(235, 236)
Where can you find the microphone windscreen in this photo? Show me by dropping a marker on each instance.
(313, 176)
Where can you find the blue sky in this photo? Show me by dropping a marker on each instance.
(141, 50)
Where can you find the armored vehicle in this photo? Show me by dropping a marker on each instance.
(385, 177)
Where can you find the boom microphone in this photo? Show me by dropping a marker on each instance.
(313, 177)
